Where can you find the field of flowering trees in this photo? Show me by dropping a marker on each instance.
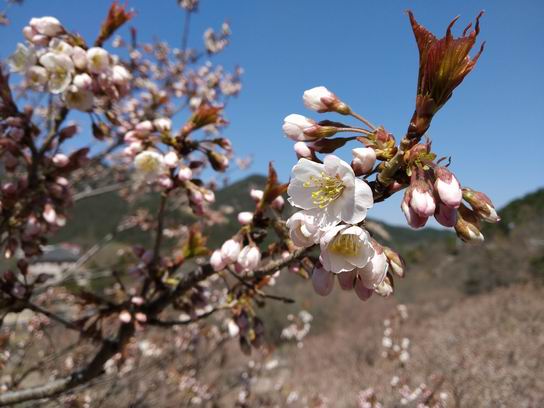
(186, 312)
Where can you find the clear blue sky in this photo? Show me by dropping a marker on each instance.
(365, 52)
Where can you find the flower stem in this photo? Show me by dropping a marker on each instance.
(366, 122)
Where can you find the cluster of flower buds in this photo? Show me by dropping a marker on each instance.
(232, 254)
(60, 62)
(32, 206)
(215, 43)
(435, 191)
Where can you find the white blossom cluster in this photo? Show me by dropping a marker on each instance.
(299, 327)
(334, 203)
(51, 61)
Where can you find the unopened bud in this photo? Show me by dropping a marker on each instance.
(467, 226)
(364, 159)
(321, 100)
(245, 217)
(396, 262)
(481, 204)
(300, 128)
(446, 216)
(322, 281)
(257, 195)
(448, 187)
(219, 161)
(303, 150)
(278, 203)
(217, 261)
(346, 280)
(60, 160)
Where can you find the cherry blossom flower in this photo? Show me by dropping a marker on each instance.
(331, 187)
(149, 162)
(22, 59)
(373, 273)
(306, 227)
(98, 60)
(344, 248)
(60, 68)
(36, 77)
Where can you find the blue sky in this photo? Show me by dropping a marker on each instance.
(364, 51)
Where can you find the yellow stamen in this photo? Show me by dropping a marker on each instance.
(328, 189)
(346, 245)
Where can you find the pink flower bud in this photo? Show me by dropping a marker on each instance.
(445, 215)
(364, 159)
(249, 258)
(48, 26)
(278, 203)
(137, 300)
(320, 99)
(257, 195)
(163, 124)
(217, 261)
(171, 159)
(230, 250)
(79, 57)
(302, 150)
(448, 187)
(362, 291)
(209, 196)
(125, 316)
(346, 280)
(40, 39)
(245, 217)
(414, 220)
(299, 128)
(120, 76)
(421, 198)
(141, 317)
(60, 160)
(322, 281)
(131, 136)
(29, 32)
(165, 181)
(185, 173)
(83, 81)
(49, 214)
(145, 126)
(373, 273)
